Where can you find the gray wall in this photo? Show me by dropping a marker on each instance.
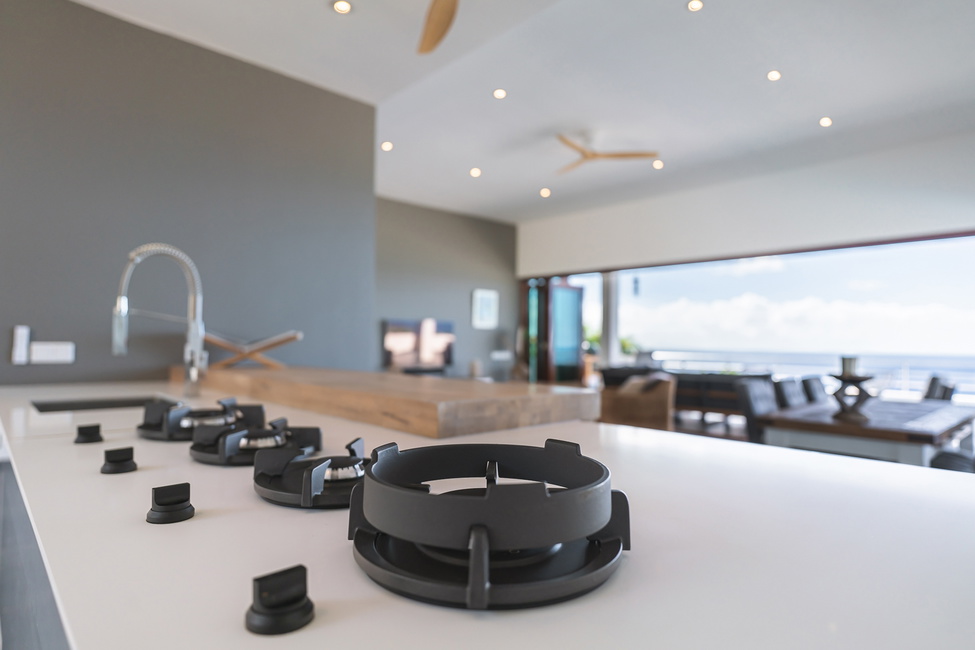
(114, 136)
(428, 264)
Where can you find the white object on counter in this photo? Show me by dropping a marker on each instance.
(734, 545)
(20, 350)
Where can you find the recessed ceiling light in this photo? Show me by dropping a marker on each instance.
(658, 164)
(342, 7)
(545, 192)
(500, 93)
(386, 146)
(825, 121)
(475, 172)
(695, 5)
(774, 75)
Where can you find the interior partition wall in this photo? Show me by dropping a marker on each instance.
(114, 136)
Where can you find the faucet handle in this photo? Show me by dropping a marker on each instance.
(120, 326)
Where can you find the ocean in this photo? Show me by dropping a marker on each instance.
(894, 373)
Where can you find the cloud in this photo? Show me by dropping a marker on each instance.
(860, 284)
(749, 322)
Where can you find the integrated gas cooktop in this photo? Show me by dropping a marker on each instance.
(516, 526)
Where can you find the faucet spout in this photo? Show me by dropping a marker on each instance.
(194, 356)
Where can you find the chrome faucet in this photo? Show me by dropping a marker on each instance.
(194, 356)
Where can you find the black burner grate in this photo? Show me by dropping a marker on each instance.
(176, 422)
(288, 477)
(232, 445)
(507, 545)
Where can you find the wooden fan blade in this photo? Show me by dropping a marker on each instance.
(572, 165)
(572, 145)
(626, 154)
(439, 17)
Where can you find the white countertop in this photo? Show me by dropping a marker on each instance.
(734, 545)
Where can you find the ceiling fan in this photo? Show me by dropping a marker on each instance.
(588, 154)
(439, 17)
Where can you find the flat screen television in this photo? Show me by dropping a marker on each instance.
(418, 346)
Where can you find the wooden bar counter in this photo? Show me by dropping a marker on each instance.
(436, 407)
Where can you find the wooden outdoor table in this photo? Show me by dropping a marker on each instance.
(905, 432)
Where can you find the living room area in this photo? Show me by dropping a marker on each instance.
(669, 345)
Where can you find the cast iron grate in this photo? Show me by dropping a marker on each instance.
(176, 422)
(230, 444)
(556, 534)
(288, 477)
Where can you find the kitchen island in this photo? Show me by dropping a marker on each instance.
(734, 545)
(437, 407)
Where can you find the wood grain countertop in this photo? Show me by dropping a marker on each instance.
(928, 421)
(436, 407)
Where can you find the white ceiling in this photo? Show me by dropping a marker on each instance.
(618, 74)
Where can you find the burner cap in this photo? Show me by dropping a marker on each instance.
(264, 439)
(289, 478)
(344, 469)
(196, 418)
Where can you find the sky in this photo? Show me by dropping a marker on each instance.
(913, 298)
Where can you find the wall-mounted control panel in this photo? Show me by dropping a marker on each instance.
(52, 352)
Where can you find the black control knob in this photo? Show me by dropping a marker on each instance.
(119, 461)
(281, 602)
(89, 433)
(170, 504)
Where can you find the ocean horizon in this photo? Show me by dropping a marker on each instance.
(889, 371)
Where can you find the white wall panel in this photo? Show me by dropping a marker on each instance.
(905, 192)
